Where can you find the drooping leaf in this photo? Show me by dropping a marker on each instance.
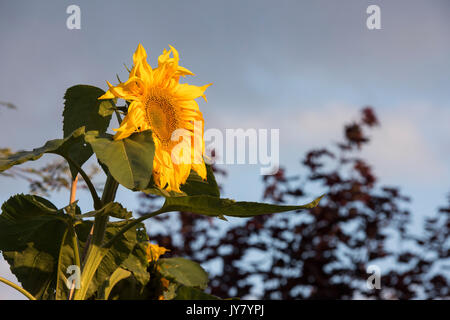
(189, 293)
(183, 271)
(112, 209)
(31, 232)
(218, 207)
(62, 147)
(118, 275)
(130, 160)
(194, 185)
(153, 189)
(82, 108)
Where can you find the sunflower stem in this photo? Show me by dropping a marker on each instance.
(73, 234)
(76, 251)
(18, 288)
(94, 254)
(119, 118)
(100, 222)
(132, 224)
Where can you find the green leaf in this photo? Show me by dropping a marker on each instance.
(153, 189)
(62, 147)
(189, 293)
(183, 271)
(31, 232)
(108, 285)
(130, 160)
(137, 263)
(218, 207)
(194, 185)
(83, 109)
(112, 209)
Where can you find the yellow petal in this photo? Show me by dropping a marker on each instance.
(154, 252)
(107, 95)
(200, 169)
(181, 71)
(140, 54)
(164, 58)
(133, 122)
(142, 70)
(130, 90)
(188, 92)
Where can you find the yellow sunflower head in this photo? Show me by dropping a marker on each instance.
(160, 103)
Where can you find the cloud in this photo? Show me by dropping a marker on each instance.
(401, 149)
(409, 146)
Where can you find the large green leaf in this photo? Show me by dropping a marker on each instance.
(130, 160)
(62, 147)
(218, 207)
(31, 231)
(83, 109)
(183, 271)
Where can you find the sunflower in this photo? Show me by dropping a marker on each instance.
(157, 101)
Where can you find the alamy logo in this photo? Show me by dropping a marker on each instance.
(374, 281)
(74, 280)
(373, 22)
(237, 146)
(74, 20)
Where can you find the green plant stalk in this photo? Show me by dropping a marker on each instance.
(18, 288)
(76, 248)
(58, 282)
(119, 118)
(100, 222)
(96, 252)
(93, 261)
(76, 251)
(132, 224)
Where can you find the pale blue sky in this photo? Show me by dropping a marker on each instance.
(301, 66)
